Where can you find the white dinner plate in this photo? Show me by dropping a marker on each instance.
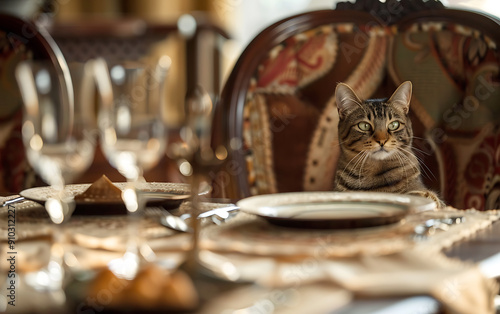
(334, 209)
(166, 194)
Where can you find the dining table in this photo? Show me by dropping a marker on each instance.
(429, 261)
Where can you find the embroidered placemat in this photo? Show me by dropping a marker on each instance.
(254, 235)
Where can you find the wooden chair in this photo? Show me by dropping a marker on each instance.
(20, 40)
(278, 117)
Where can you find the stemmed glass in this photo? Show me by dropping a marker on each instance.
(58, 141)
(200, 158)
(133, 135)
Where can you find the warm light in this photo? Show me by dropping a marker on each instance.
(71, 260)
(229, 270)
(123, 119)
(130, 199)
(42, 279)
(185, 168)
(56, 272)
(55, 210)
(36, 142)
(49, 126)
(110, 136)
(221, 152)
(57, 250)
(125, 267)
(153, 144)
(147, 253)
(165, 62)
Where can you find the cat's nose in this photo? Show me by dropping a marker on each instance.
(382, 142)
(380, 137)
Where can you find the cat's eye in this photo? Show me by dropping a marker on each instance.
(394, 125)
(364, 126)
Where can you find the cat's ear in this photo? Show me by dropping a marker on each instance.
(402, 96)
(346, 99)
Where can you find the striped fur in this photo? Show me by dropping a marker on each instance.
(375, 138)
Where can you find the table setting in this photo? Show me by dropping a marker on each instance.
(163, 246)
(258, 256)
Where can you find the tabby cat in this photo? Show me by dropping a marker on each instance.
(375, 139)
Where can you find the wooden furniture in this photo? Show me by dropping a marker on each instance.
(20, 40)
(278, 116)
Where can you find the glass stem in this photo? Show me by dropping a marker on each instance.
(192, 259)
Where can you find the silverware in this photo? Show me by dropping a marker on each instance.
(170, 221)
(12, 201)
(430, 226)
(222, 212)
(179, 223)
(174, 222)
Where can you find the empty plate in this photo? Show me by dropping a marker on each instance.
(166, 194)
(339, 210)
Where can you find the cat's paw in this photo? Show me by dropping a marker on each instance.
(430, 195)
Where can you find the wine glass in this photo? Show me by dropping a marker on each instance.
(58, 141)
(133, 133)
(197, 159)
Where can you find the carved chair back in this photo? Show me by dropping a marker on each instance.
(278, 116)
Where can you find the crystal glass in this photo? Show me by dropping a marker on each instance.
(132, 128)
(59, 142)
(131, 120)
(56, 129)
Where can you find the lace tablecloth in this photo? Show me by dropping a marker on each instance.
(253, 235)
(248, 234)
(380, 261)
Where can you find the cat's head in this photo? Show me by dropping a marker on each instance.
(378, 127)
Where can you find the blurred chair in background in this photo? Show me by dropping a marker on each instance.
(19, 40)
(278, 115)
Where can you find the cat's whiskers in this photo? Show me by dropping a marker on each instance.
(358, 159)
(425, 171)
(421, 151)
(365, 157)
(396, 166)
(361, 152)
(399, 155)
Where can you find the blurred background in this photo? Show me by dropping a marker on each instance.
(203, 38)
(129, 28)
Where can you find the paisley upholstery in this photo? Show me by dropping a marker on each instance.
(278, 102)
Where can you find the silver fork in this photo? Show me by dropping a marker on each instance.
(170, 221)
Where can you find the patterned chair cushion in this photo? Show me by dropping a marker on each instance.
(289, 125)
